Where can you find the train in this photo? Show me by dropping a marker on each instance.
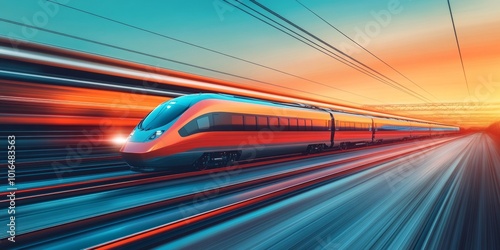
(201, 131)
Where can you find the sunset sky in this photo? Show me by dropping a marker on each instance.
(414, 37)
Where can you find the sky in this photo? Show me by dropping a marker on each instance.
(413, 59)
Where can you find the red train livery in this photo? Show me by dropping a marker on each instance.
(201, 131)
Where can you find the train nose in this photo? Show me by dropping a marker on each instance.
(136, 147)
(136, 154)
(137, 162)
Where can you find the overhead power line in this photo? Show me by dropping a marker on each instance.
(206, 49)
(458, 46)
(308, 42)
(167, 59)
(396, 85)
(362, 47)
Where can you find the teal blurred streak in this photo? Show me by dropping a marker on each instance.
(448, 199)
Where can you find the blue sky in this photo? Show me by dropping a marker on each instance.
(418, 40)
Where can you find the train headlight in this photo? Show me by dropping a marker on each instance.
(156, 134)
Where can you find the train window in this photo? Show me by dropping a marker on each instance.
(262, 122)
(319, 125)
(162, 115)
(203, 123)
(308, 125)
(221, 122)
(274, 124)
(293, 124)
(284, 124)
(301, 124)
(237, 122)
(347, 126)
(188, 129)
(250, 123)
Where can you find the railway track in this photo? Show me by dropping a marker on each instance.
(172, 230)
(40, 194)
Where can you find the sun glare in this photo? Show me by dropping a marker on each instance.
(119, 140)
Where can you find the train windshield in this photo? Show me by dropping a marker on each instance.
(161, 115)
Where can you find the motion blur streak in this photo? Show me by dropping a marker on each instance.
(447, 198)
(63, 105)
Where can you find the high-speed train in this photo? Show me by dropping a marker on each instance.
(202, 131)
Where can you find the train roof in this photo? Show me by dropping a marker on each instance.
(192, 99)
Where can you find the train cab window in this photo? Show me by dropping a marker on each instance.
(200, 124)
(301, 124)
(188, 129)
(203, 123)
(162, 115)
(284, 124)
(250, 123)
(293, 124)
(308, 125)
(262, 122)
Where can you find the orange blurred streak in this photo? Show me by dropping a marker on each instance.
(71, 120)
(63, 105)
